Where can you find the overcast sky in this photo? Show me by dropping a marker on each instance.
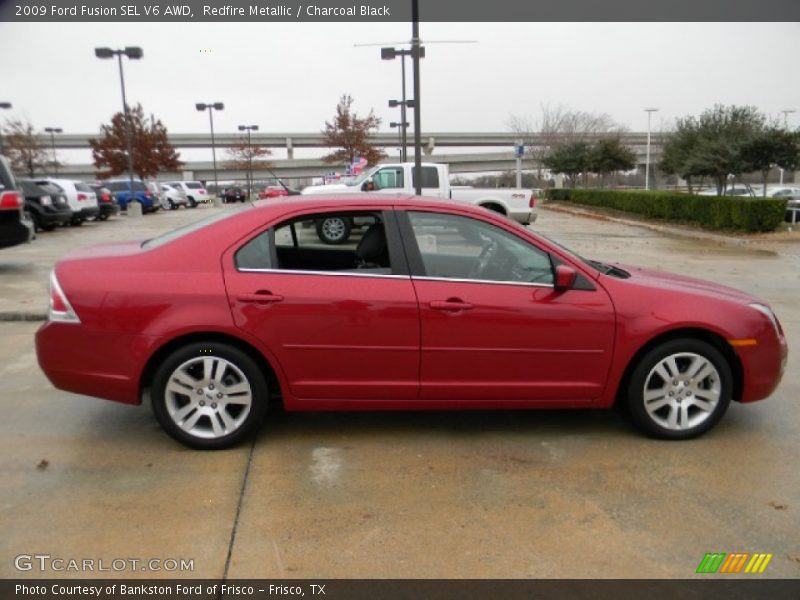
(288, 76)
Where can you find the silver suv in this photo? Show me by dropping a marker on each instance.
(195, 192)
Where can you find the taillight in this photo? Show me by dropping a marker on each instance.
(11, 200)
(148, 195)
(105, 197)
(201, 192)
(532, 202)
(60, 308)
(82, 197)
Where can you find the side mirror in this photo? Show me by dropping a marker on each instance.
(565, 278)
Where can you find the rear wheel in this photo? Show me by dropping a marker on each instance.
(680, 389)
(209, 396)
(333, 230)
(192, 203)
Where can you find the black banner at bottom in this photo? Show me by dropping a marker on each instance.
(390, 589)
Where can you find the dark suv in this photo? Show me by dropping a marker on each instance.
(46, 204)
(14, 228)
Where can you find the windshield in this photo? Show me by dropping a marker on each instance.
(192, 227)
(363, 177)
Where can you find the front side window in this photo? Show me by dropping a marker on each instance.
(391, 177)
(456, 247)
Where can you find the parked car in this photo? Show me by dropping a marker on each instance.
(273, 191)
(46, 205)
(234, 194)
(439, 305)
(121, 189)
(172, 197)
(81, 198)
(14, 227)
(105, 202)
(195, 192)
(734, 190)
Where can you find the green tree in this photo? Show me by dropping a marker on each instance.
(678, 151)
(571, 159)
(772, 147)
(610, 156)
(152, 151)
(350, 134)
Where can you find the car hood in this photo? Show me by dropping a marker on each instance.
(331, 188)
(670, 281)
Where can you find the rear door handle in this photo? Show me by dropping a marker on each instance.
(260, 298)
(450, 305)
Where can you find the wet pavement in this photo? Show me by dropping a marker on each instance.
(473, 495)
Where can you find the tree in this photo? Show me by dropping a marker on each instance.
(22, 146)
(677, 155)
(244, 156)
(350, 134)
(571, 159)
(772, 147)
(557, 126)
(609, 156)
(152, 151)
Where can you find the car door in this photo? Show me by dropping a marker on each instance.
(341, 328)
(493, 326)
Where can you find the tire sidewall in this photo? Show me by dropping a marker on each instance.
(243, 361)
(645, 365)
(333, 242)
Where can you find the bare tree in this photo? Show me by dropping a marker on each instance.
(558, 126)
(22, 146)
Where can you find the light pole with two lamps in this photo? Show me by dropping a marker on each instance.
(211, 107)
(5, 105)
(391, 54)
(248, 129)
(53, 131)
(133, 53)
(401, 128)
(649, 112)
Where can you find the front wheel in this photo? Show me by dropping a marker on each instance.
(680, 389)
(209, 396)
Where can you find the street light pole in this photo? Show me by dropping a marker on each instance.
(249, 128)
(211, 107)
(52, 131)
(650, 112)
(133, 53)
(3, 105)
(786, 113)
(415, 50)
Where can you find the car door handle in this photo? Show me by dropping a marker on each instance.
(260, 298)
(450, 305)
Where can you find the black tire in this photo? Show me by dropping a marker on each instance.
(334, 230)
(76, 222)
(192, 202)
(653, 416)
(33, 218)
(171, 204)
(102, 217)
(247, 368)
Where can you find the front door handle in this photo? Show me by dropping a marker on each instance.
(450, 305)
(260, 297)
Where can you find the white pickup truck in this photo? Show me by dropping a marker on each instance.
(393, 178)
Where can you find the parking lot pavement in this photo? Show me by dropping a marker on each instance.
(510, 494)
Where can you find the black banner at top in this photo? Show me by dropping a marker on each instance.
(398, 10)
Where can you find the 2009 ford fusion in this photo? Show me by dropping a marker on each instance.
(430, 305)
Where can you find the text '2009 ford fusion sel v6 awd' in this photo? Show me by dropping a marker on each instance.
(432, 305)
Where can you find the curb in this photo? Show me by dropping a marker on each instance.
(672, 230)
(18, 315)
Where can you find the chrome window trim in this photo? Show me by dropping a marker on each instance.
(494, 282)
(333, 273)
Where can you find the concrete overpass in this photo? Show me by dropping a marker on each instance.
(290, 141)
(304, 168)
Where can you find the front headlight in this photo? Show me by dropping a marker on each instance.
(767, 312)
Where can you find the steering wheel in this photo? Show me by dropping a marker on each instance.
(484, 258)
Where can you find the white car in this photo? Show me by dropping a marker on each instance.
(172, 197)
(81, 198)
(195, 192)
(735, 190)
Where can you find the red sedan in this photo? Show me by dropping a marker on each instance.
(433, 305)
(272, 191)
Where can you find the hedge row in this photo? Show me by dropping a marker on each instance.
(712, 212)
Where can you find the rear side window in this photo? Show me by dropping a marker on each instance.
(82, 187)
(430, 177)
(255, 254)
(194, 185)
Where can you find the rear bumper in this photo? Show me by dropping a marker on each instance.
(14, 232)
(94, 363)
(108, 209)
(523, 216)
(54, 216)
(87, 212)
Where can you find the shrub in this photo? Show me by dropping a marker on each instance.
(712, 212)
